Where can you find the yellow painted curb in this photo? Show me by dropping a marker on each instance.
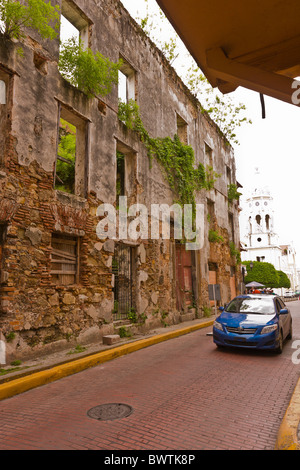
(21, 385)
(287, 438)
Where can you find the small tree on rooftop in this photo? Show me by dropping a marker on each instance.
(39, 15)
(223, 109)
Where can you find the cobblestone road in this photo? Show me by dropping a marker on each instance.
(185, 394)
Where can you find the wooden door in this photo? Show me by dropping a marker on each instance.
(184, 278)
(212, 278)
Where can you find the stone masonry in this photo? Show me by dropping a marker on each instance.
(42, 312)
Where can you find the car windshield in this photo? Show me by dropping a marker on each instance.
(259, 305)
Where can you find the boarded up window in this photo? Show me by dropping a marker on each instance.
(65, 260)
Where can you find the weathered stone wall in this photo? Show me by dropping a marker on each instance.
(37, 315)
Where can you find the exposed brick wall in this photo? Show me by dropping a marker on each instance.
(43, 315)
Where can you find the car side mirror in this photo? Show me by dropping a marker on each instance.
(221, 309)
(284, 311)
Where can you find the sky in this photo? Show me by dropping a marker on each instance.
(269, 144)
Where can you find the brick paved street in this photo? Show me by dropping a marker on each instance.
(185, 394)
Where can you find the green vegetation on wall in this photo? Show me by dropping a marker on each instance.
(234, 252)
(92, 73)
(176, 159)
(35, 14)
(233, 193)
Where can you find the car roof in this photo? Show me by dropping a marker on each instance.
(257, 296)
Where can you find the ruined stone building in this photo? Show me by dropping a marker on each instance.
(61, 285)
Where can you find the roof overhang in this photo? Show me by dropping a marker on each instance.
(254, 44)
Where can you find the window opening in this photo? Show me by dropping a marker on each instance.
(120, 175)
(210, 211)
(2, 92)
(228, 174)
(74, 24)
(68, 31)
(66, 157)
(231, 226)
(182, 130)
(5, 105)
(268, 222)
(65, 260)
(127, 77)
(70, 167)
(125, 173)
(209, 155)
(122, 87)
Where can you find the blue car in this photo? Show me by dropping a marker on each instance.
(254, 321)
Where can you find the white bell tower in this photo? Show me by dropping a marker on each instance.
(260, 211)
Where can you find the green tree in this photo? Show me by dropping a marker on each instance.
(92, 73)
(35, 14)
(177, 159)
(65, 167)
(264, 273)
(283, 280)
(223, 109)
(233, 193)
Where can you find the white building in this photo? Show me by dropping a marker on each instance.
(260, 238)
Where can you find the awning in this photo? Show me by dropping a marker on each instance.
(235, 43)
(254, 284)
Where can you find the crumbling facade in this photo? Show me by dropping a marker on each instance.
(60, 284)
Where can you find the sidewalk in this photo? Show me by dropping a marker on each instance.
(59, 365)
(50, 368)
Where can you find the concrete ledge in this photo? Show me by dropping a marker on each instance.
(189, 316)
(38, 379)
(111, 339)
(287, 438)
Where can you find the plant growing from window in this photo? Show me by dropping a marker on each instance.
(39, 15)
(92, 73)
(65, 166)
(233, 193)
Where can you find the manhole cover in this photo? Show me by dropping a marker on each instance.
(110, 412)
